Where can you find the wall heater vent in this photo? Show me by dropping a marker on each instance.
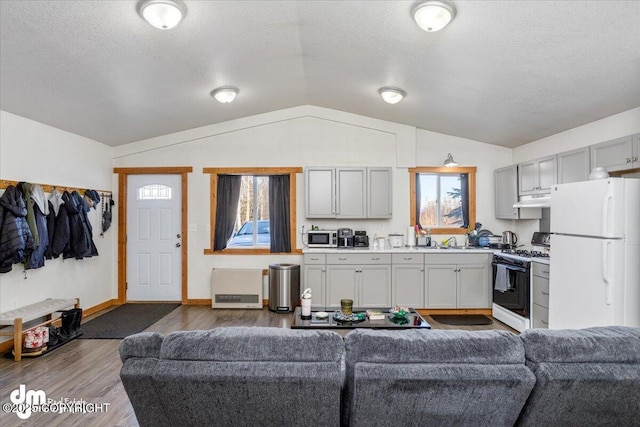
(236, 288)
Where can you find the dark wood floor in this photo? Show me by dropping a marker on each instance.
(89, 369)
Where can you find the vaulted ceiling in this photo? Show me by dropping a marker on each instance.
(503, 72)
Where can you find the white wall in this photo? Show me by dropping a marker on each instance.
(305, 136)
(34, 152)
(615, 126)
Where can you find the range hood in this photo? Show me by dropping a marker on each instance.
(535, 201)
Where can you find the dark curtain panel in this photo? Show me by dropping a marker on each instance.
(279, 213)
(464, 192)
(418, 199)
(226, 209)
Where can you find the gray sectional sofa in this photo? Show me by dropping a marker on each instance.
(281, 377)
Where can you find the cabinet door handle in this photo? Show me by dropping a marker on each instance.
(628, 160)
(544, 293)
(634, 159)
(543, 322)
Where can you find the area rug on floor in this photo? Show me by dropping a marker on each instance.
(462, 319)
(128, 319)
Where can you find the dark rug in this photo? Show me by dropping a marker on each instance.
(128, 319)
(462, 319)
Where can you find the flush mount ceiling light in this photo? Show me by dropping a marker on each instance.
(434, 15)
(449, 162)
(391, 95)
(225, 94)
(162, 14)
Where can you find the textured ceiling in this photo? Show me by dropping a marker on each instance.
(504, 72)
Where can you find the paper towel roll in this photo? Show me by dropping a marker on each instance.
(411, 236)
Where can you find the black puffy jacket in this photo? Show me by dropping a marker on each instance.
(16, 240)
(81, 237)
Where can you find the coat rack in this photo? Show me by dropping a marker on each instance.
(48, 188)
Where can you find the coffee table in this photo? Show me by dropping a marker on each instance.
(415, 321)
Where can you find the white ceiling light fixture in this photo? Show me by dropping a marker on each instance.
(225, 94)
(392, 95)
(434, 15)
(162, 14)
(449, 162)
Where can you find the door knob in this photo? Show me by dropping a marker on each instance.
(178, 245)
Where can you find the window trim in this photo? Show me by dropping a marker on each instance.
(470, 170)
(213, 182)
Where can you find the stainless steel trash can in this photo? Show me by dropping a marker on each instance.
(284, 287)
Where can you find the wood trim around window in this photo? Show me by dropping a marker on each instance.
(213, 180)
(123, 174)
(471, 170)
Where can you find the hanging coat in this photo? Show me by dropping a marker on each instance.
(62, 231)
(16, 240)
(80, 236)
(55, 201)
(37, 210)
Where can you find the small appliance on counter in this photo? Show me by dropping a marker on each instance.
(322, 238)
(396, 240)
(345, 238)
(360, 239)
(509, 238)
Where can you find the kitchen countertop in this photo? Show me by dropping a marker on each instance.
(413, 250)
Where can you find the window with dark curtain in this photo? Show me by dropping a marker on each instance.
(464, 191)
(228, 194)
(279, 220)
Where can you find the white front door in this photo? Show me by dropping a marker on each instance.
(154, 262)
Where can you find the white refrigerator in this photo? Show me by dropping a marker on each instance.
(594, 277)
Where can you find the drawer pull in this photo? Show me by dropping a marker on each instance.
(544, 293)
(544, 271)
(408, 258)
(342, 259)
(315, 259)
(375, 258)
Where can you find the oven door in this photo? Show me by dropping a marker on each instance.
(515, 299)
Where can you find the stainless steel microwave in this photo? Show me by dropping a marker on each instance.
(322, 238)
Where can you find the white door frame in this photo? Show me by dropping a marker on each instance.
(123, 174)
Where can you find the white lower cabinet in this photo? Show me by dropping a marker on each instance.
(457, 281)
(314, 277)
(377, 279)
(540, 295)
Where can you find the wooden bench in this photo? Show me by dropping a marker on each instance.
(18, 317)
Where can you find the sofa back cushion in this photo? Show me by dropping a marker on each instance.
(253, 344)
(431, 377)
(584, 377)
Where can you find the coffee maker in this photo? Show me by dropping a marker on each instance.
(360, 239)
(345, 238)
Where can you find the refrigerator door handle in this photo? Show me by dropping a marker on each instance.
(605, 213)
(605, 272)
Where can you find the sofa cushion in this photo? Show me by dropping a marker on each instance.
(432, 377)
(253, 344)
(612, 344)
(434, 346)
(144, 344)
(583, 377)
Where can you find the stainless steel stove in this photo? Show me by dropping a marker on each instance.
(512, 281)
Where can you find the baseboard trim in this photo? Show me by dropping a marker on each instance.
(194, 301)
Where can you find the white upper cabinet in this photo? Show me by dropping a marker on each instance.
(348, 192)
(537, 176)
(574, 166)
(506, 188)
(380, 193)
(617, 154)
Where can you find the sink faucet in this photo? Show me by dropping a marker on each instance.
(455, 242)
